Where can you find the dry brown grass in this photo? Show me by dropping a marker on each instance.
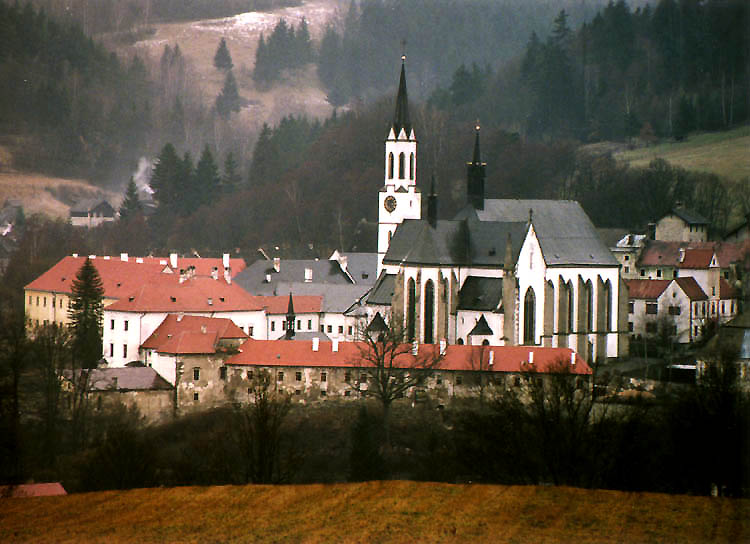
(48, 195)
(374, 512)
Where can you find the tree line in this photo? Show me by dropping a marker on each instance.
(288, 47)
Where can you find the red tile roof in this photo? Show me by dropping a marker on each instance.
(696, 258)
(457, 358)
(648, 289)
(662, 253)
(726, 291)
(118, 277)
(191, 334)
(198, 294)
(305, 304)
(33, 490)
(691, 288)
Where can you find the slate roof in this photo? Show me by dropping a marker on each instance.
(87, 205)
(382, 293)
(191, 334)
(449, 243)
(481, 294)
(646, 289)
(198, 294)
(129, 378)
(482, 328)
(690, 217)
(565, 232)
(273, 353)
(691, 288)
(377, 324)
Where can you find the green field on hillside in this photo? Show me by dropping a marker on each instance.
(394, 511)
(724, 153)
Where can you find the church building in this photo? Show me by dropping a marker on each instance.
(501, 272)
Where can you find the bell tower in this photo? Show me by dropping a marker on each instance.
(399, 198)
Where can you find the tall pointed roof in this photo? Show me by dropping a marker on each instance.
(290, 307)
(477, 159)
(401, 116)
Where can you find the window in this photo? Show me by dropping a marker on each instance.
(330, 328)
(652, 308)
(298, 376)
(695, 330)
(429, 312)
(124, 350)
(323, 376)
(529, 320)
(223, 373)
(651, 327)
(658, 273)
(627, 257)
(631, 307)
(298, 391)
(280, 377)
(126, 325)
(347, 393)
(112, 324)
(643, 272)
(439, 379)
(722, 306)
(347, 376)
(299, 324)
(459, 379)
(250, 330)
(309, 324)
(341, 329)
(283, 325)
(61, 303)
(273, 325)
(390, 165)
(517, 381)
(323, 393)
(411, 309)
(411, 166)
(627, 269)
(630, 326)
(363, 378)
(196, 374)
(45, 302)
(675, 310)
(401, 165)
(322, 328)
(249, 374)
(30, 300)
(37, 300)
(195, 396)
(111, 350)
(351, 330)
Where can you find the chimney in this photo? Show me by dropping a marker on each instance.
(210, 303)
(225, 260)
(335, 345)
(106, 257)
(531, 357)
(315, 344)
(268, 278)
(203, 329)
(139, 260)
(682, 254)
(277, 264)
(227, 274)
(443, 346)
(173, 260)
(572, 358)
(492, 358)
(92, 257)
(415, 348)
(215, 273)
(75, 256)
(308, 275)
(183, 276)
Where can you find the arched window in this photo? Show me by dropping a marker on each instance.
(589, 307)
(411, 309)
(485, 342)
(529, 317)
(608, 307)
(401, 165)
(411, 166)
(571, 309)
(429, 312)
(390, 165)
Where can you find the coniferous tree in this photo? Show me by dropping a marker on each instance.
(131, 206)
(228, 100)
(222, 58)
(85, 315)
(207, 179)
(165, 178)
(231, 179)
(190, 197)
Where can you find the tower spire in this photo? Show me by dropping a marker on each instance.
(401, 116)
(432, 205)
(290, 318)
(475, 174)
(477, 155)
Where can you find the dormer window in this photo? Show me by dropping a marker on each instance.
(173, 299)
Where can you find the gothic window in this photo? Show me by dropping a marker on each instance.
(390, 165)
(411, 166)
(529, 317)
(429, 312)
(401, 165)
(608, 307)
(589, 306)
(411, 309)
(571, 308)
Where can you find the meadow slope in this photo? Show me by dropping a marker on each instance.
(723, 153)
(395, 511)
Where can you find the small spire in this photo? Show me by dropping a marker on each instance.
(477, 155)
(432, 205)
(401, 117)
(290, 319)
(531, 215)
(290, 307)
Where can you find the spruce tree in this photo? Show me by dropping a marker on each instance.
(165, 177)
(207, 178)
(131, 206)
(228, 100)
(231, 179)
(85, 315)
(222, 58)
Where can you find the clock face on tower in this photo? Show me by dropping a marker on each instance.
(390, 204)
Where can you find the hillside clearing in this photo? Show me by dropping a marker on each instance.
(395, 511)
(723, 153)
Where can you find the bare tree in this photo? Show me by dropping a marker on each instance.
(389, 368)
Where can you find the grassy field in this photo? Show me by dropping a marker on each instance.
(723, 153)
(374, 512)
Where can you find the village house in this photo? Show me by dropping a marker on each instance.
(681, 225)
(91, 212)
